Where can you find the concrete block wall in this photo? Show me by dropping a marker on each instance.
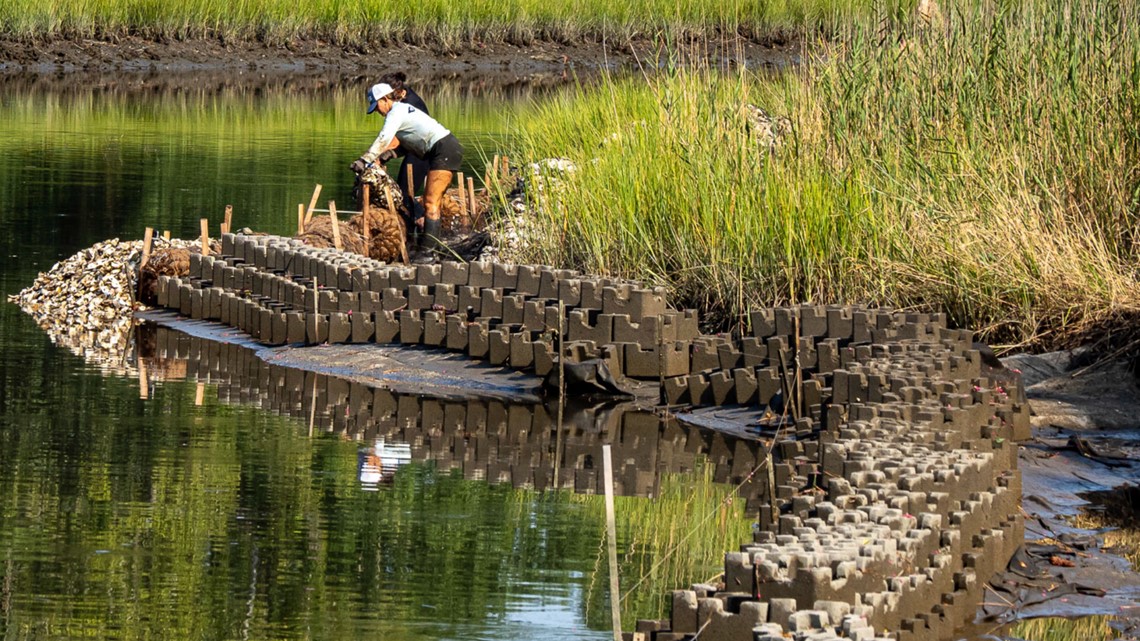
(883, 426)
(485, 439)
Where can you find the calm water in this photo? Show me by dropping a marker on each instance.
(209, 510)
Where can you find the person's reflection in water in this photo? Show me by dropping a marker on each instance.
(377, 465)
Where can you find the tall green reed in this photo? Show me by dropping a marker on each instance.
(985, 163)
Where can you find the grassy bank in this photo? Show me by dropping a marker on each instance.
(426, 22)
(985, 163)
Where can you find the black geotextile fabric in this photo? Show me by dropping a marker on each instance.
(588, 378)
(1065, 571)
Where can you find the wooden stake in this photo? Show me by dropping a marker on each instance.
(166, 235)
(335, 225)
(462, 194)
(312, 204)
(205, 224)
(392, 213)
(300, 218)
(148, 242)
(229, 220)
(316, 307)
(505, 168)
(611, 535)
(366, 226)
(391, 202)
(200, 394)
(471, 198)
(494, 167)
(411, 182)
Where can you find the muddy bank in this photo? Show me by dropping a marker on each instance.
(137, 54)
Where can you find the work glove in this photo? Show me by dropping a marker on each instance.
(358, 166)
(386, 155)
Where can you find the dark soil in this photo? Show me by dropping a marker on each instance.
(137, 54)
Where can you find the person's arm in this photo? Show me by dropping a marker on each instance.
(387, 138)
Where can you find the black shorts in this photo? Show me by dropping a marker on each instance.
(445, 155)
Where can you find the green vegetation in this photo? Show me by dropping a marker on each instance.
(670, 542)
(985, 163)
(433, 22)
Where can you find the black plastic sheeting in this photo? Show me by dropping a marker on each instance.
(1062, 570)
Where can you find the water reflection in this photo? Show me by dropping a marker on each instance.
(378, 463)
(487, 439)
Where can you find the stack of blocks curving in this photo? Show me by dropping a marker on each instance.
(893, 492)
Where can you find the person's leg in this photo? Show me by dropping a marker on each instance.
(437, 182)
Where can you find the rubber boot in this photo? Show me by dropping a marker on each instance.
(430, 244)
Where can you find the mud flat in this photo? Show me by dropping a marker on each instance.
(137, 54)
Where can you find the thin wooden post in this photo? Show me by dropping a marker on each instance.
(411, 182)
(392, 213)
(471, 198)
(300, 218)
(229, 219)
(611, 535)
(494, 171)
(148, 241)
(367, 226)
(391, 202)
(312, 204)
(205, 224)
(335, 225)
(144, 380)
(313, 406)
(316, 308)
(166, 235)
(505, 168)
(200, 394)
(462, 194)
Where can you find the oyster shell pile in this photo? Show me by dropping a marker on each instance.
(85, 303)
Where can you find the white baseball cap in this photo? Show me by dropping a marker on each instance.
(376, 92)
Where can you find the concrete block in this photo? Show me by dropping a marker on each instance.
(340, 328)
(387, 327)
(435, 328)
(411, 326)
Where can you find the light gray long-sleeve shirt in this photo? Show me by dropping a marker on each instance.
(416, 131)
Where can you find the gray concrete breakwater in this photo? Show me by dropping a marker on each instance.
(891, 494)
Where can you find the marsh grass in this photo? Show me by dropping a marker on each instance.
(986, 163)
(433, 22)
(669, 542)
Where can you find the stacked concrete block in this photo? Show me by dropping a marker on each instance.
(893, 489)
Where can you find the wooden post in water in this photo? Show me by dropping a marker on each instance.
(300, 218)
(462, 195)
(366, 226)
(611, 535)
(144, 380)
(205, 224)
(227, 225)
(335, 225)
(312, 204)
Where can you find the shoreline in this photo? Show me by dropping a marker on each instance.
(136, 54)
